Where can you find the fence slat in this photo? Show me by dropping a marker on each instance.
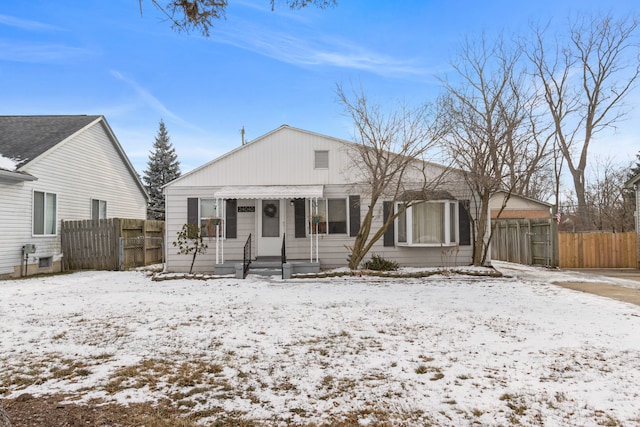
(95, 244)
(598, 250)
(523, 241)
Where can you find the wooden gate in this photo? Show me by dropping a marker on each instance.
(525, 241)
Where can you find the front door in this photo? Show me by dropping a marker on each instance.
(271, 227)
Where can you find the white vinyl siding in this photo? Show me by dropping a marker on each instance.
(85, 166)
(286, 157)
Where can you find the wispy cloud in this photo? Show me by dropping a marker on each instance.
(25, 24)
(41, 52)
(315, 50)
(152, 101)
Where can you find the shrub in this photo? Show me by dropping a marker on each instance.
(380, 264)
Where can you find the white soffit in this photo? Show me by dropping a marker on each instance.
(269, 192)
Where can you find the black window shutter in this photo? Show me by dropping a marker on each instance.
(232, 219)
(464, 225)
(299, 217)
(354, 215)
(192, 211)
(389, 235)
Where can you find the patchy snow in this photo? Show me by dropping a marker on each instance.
(442, 350)
(8, 164)
(526, 272)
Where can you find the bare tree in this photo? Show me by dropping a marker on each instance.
(187, 15)
(584, 83)
(389, 148)
(490, 113)
(610, 205)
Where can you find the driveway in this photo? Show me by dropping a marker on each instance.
(622, 284)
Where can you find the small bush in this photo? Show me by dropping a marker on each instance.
(380, 264)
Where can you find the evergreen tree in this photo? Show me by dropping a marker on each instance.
(163, 167)
(635, 170)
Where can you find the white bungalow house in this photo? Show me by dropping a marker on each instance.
(55, 168)
(303, 192)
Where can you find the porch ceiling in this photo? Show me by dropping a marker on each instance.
(269, 191)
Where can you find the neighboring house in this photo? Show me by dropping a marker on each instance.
(306, 186)
(634, 184)
(518, 207)
(55, 168)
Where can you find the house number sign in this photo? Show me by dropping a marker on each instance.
(246, 209)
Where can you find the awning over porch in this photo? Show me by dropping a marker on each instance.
(269, 192)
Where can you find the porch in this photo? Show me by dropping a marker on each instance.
(259, 225)
(267, 266)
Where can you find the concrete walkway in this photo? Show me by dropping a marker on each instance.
(622, 284)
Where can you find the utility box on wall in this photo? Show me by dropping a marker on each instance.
(29, 248)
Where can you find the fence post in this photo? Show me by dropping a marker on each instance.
(555, 247)
(121, 253)
(144, 243)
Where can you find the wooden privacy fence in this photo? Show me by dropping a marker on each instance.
(111, 244)
(598, 250)
(525, 241)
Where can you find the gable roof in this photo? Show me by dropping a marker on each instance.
(633, 181)
(248, 145)
(23, 138)
(520, 196)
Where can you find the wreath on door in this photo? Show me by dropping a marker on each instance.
(270, 210)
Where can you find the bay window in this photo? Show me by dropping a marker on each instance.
(432, 223)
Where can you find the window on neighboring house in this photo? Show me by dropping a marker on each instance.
(98, 209)
(331, 217)
(321, 160)
(210, 214)
(432, 223)
(44, 213)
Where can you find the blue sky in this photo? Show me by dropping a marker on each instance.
(258, 70)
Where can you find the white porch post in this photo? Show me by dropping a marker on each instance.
(313, 208)
(317, 232)
(224, 229)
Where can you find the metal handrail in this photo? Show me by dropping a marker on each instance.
(246, 257)
(283, 254)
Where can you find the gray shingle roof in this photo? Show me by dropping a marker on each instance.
(26, 137)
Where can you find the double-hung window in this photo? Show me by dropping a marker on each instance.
(330, 217)
(44, 213)
(432, 223)
(98, 209)
(210, 216)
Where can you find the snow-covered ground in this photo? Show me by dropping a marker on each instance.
(446, 350)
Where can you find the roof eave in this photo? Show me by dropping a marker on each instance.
(6, 175)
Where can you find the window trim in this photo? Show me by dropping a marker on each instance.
(450, 224)
(219, 210)
(325, 214)
(44, 215)
(100, 202)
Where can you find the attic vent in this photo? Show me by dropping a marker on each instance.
(321, 160)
